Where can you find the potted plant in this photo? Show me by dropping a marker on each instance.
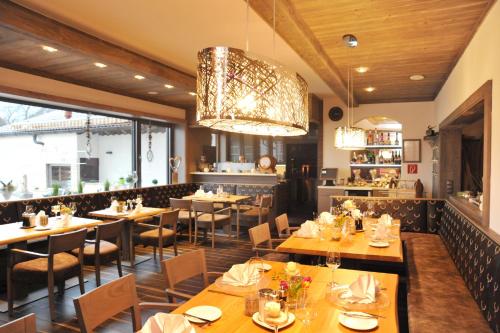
(80, 187)
(107, 185)
(155, 181)
(55, 189)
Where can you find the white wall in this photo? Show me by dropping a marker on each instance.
(479, 63)
(413, 116)
(158, 167)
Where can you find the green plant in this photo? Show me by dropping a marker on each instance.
(130, 179)
(9, 187)
(155, 181)
(80, 187)
(107, 185)
(121, 181)
(55, 189)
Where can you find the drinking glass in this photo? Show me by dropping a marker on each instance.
(135, 177)
(333, 262)
(275, 312)
(73, 207)
(306, 311)
(258, 262)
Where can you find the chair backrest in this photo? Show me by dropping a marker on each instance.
(185, 266)
(282, 224)
(169, 218)
(203, 206)
(261, 234)
(95, 307)
(266, 201)
(67, 241)
(26, 324)
(184, 204)
(109, 230)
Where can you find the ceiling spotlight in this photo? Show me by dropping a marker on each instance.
(361, 69)
(192, 93)
(139, 77)
(369, 89)
(49, 48)
(350, 40)
(152, 93)
(417, 77)
(169, 86)
(100, 65)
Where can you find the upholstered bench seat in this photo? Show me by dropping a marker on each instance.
(438, 299)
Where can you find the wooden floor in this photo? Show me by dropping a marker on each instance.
(150, 286)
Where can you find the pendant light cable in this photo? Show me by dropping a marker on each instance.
(247, 47)
(274, 29)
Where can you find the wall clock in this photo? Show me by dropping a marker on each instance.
(335, 113)
(267, 164)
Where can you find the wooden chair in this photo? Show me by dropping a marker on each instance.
(259, 213)
(284, 229)
(205, 214)
(186, 215)
(260, 236)
(158, 236)
(104, 302)
(183, 267)
(104, 248)
(26, 324)
(54, 267)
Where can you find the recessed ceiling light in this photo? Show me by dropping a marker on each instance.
(152, 92)
(100, 65)
(139, 77)
(49, 48)
(369, 89)
(417, 77)
(192, 93)
(361, 69)
(169, 86)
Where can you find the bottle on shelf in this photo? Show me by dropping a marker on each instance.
(396, 142)
(375, 137)
(387, 139)
(369, 140)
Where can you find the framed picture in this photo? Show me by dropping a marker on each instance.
(412, 151)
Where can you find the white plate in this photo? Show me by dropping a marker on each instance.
(210, 313)
(355, 323)
(40, 228)
(378, 244)
(256, 319)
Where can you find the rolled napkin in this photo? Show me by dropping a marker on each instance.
(385, 219)
(167, 323)
(241, 275)
(138, 208)
(381, 232)
(363, 290)
(326, 218)
(114, 205)
(308, 229)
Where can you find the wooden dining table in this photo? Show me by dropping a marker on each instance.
(353, 247)
(131, 216)
(12, 233)
(233, 307)
(231, 199)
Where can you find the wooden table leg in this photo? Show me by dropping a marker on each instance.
(237, 221)
(126, 236)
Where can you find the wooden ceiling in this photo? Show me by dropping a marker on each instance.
(397, 39)
(23, 33)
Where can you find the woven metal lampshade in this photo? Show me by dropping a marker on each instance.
(350, 138)
(238, 92)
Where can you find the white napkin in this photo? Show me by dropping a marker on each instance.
(385, 219)
(308, 229)
(199, 193)
(114, 205)
(348, 205)
(326, 218)
(356, 214)
(167, 323)
(363, 290)
(241, 275)
(381, 232)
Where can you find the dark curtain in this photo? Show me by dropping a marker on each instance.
(472, 165)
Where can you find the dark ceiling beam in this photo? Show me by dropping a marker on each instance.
(27, 22)
(292, 28)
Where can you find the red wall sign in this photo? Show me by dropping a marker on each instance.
(412, 168)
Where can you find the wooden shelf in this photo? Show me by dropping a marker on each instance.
(375, 165)
(381, 147)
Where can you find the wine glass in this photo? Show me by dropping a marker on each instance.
(56, 209)
(258, 262)
(306, 311)
(135, 177)
(333, 262)
(72, 205)
(275, 312)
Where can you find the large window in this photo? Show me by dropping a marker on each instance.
(45, 150)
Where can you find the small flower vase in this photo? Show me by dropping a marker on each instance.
(66, 219)
(294, 290)
(336, 233)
